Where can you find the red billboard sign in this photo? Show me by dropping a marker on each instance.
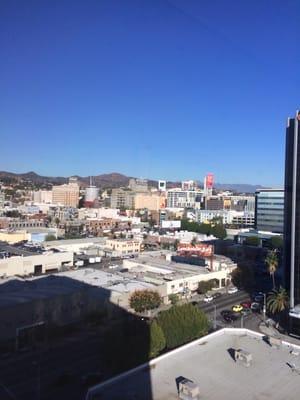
(209, 181)
(200, 249)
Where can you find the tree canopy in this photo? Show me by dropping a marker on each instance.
(181, 324)
(278, 300)
(143, 300)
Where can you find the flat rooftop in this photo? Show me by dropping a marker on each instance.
(16, 290)
(208, 363)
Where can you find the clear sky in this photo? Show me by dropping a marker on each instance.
(150, 88)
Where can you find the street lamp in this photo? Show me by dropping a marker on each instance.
(264, 308)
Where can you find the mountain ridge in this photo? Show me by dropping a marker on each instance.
(114, 180)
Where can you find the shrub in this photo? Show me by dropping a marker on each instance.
(143, 300)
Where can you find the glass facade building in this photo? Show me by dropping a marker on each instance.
(292, 217)
(269, 210)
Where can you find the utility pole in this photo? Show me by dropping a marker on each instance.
(242, 321)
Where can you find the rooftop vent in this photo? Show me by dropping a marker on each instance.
(188, 390)
(243, 357)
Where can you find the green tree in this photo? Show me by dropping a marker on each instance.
(157, 339)
(205, 286)
(278, 300)
(276, 242)
(219, 231)
(181, 324)
(243, 276)
(252, 241)
(272, 264)
(143, 300)
(50, 237)
(173, 299)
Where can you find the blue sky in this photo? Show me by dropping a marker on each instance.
(150, 88)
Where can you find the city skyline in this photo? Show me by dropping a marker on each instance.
(158, 89)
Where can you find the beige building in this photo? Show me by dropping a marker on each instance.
(66, 195)
(35, 264)
(14, 237)
(122, 198)
(151, 201)
(42, 196)
(124, 246)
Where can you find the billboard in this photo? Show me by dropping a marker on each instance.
(199, 249)
(209, 180)
(171, 224)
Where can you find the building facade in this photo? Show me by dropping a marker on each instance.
(269, 210)
(292, 218)
(177, 198)
(66, 195)
(122, 198)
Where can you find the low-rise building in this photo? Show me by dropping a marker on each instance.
(23, 261)
(121, 247)
(178, 278)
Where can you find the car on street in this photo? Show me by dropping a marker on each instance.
(227, 319)
(226, 314)
(208, 298)
(246, 304)
(237, 308)
(256, 307)
(233, 290)
(246, 311)
(258, 297)
(217, 295)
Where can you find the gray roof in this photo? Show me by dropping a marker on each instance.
(209, 364)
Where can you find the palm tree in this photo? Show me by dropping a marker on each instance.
(278, 300)
(272, 264)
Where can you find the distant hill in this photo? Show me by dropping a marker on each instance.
(112, 180)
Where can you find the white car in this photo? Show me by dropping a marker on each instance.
(233, 290)
(208, 298)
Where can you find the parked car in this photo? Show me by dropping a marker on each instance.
(259, 298)
(208, 298)
(217, 295)
(256, 307)
(237, 308)
(246, 304)
(246, 311)
(227, 318)
(228, 313)
(233, 290)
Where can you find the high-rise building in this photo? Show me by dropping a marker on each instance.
(269, 210)
(67, 195)
(292, 218)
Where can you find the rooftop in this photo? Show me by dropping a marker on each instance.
(209, 364)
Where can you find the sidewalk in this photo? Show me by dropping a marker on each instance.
(272, 331)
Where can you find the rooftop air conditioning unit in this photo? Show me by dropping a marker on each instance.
(243, 357)
(188, 390)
